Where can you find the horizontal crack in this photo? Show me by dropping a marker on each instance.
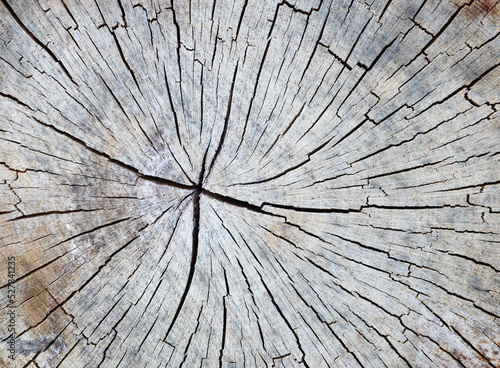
(233, 201)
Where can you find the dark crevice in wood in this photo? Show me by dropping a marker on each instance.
(194, 256)
(261, 67)
(33, 360)
(224, 319)
(38, 42)
(384, 10)
(291, 329)
(443, 28)
(71, 16)
(459, 296)
(191, 338)
(15, 99)
(410, 139)
(155, 179)
(64, 253)
(224, 129)
(317, 43)
(241, 18)
(125, 62)
(233, 201)
(49, 213)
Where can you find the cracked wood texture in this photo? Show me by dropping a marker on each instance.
(302, 183)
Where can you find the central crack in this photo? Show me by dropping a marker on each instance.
(197, 192)
(194, 250)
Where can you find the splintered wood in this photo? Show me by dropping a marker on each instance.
(278, 183)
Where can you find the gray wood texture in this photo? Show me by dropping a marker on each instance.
(250, 183)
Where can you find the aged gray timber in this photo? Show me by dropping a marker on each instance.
(264, 183)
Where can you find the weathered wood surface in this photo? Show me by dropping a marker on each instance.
(251, 183)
